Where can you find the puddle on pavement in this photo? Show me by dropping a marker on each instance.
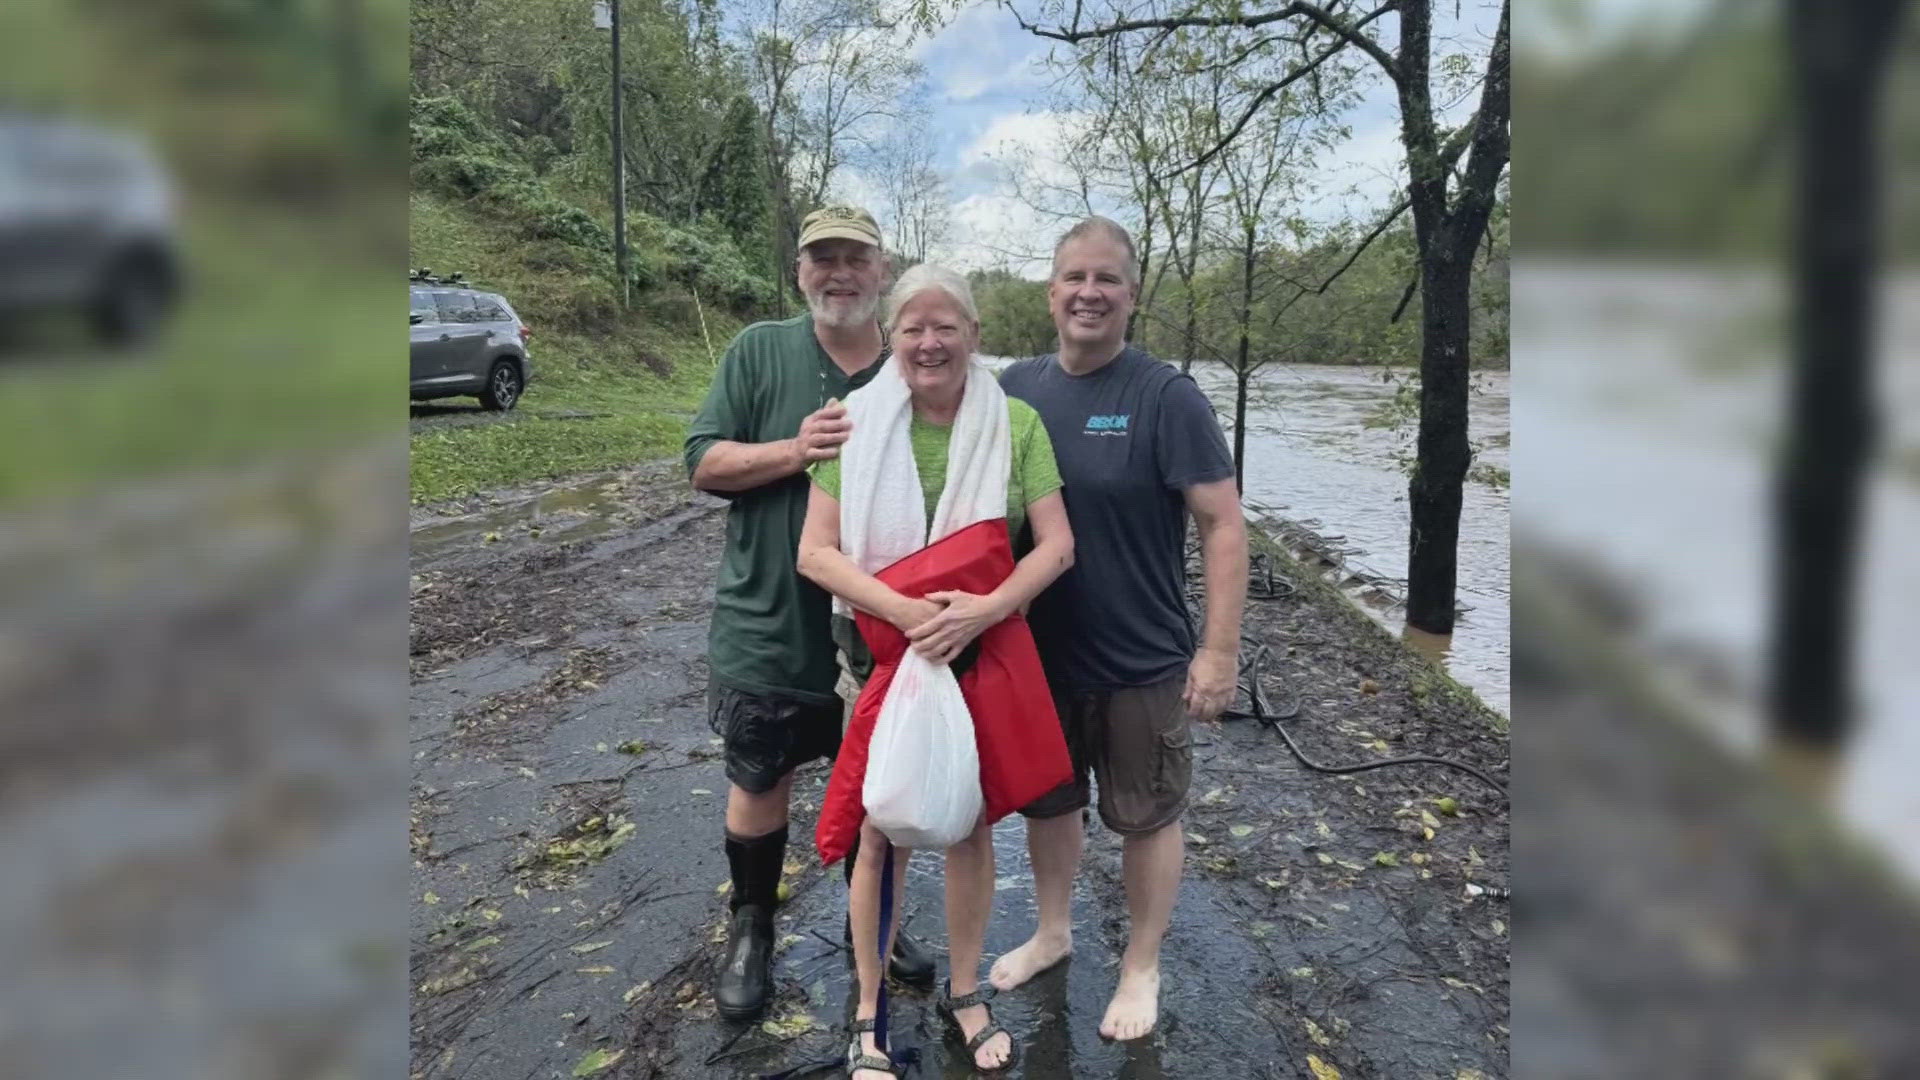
(582, 511)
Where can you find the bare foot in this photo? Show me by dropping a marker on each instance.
(1135, 1006)
(994, 1052)
(1037, 955)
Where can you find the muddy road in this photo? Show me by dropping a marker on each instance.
(568, 877)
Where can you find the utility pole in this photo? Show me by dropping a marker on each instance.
(606, 15)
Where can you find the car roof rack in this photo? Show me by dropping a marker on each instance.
(424, 276)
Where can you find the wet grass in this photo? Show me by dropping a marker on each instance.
(244, 369)
(610, 389)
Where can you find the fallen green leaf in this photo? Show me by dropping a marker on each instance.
(789, 1027)
(1239, 831)
(1386, 858)
(598, 1061)
(591, 946)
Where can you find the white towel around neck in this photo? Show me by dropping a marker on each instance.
(882, 505)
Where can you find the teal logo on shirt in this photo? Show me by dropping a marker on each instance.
(1107, 425)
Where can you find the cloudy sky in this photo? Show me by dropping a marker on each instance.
(992, 101)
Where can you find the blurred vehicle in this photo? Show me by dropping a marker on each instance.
(86, 224)
(465, 341)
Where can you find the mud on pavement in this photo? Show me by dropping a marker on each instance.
(569, 882)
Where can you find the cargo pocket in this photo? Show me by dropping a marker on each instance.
(1173, 767)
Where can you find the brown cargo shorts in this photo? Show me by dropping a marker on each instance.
(1138, 747)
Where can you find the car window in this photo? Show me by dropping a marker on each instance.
(489, 309)
(454, 307)
(420, 302)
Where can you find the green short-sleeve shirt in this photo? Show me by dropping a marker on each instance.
(1032, 473)
(770, 629)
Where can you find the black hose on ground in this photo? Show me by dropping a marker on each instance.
(1262, 584)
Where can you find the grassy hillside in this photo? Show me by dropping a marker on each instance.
(610, 388)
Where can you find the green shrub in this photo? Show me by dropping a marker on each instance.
(455, 154)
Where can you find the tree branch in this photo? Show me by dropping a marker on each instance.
(1492, 144)
(1266, 93)
(1405, 297)
(1353, 256)
(1349, 32)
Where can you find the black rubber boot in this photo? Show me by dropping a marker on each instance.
(746, 977)
(911, 963)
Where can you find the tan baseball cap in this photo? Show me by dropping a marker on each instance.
(839, 223)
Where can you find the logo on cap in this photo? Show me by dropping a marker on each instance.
(839, 223)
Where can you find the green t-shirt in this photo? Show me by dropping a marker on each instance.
(770, 628)
(1032, 472)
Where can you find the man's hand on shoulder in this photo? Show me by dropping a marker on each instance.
(822, 433)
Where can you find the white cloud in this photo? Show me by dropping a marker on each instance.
(1033, 139)
(998, 230)
(850, 185)
(981, 51)
(1362, 175)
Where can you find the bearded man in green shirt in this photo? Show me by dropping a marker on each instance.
(773, 410)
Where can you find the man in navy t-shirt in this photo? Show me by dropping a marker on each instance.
(1139, 450)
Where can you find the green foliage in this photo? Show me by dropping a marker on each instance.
(456, 155)
(1350, 322)
(702, 257)
(1014, 320)
(1663, 146)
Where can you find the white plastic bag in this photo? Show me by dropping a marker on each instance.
(923, 770)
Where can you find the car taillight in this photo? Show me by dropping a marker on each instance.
(525, 334)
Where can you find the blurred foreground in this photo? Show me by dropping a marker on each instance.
(202, 548)
(1714, 878)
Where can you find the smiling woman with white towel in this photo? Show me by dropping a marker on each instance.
(911, 528)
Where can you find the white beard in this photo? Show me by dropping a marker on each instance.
(841, 316)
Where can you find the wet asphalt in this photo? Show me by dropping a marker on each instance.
(568, 872)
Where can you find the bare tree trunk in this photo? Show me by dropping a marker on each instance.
(1193, 326)
(1244, 370)
(1441, 450)
(1838, 56)
(1447, 237)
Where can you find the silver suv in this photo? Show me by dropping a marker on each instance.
(87, 222)
(465, 341)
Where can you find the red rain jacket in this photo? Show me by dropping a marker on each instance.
(1023, 754)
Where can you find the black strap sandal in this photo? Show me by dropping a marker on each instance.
(858, 1058)
(949, 1007)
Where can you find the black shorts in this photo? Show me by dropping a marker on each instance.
(768, 737)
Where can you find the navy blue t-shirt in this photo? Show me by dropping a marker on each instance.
(1130, 438)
